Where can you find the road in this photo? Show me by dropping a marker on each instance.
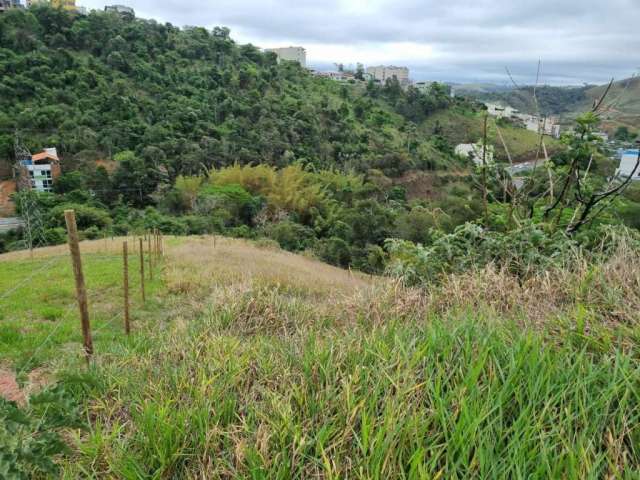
(10, 223)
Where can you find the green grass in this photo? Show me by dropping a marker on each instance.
(246, 367)
(459, 126)
(39, 312)
(455, 399)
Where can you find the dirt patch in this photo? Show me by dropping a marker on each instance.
(7, 187)
(9, 388)
(419, 185)
(39, 379)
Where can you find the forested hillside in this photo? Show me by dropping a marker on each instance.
(134, 106)
(189, 99)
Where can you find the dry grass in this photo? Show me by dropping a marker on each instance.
(267, 290)
(197, 264)
(108, 245)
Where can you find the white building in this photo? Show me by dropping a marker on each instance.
(291, 54)
(474, 152)
(121, 9)
(500, 111)
(381, 73)
(39, 171)
(541, 125)
(628, 159)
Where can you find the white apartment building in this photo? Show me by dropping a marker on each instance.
(500, 111)
(541, 125)
(291, 54)
(121, 9)
(382, 72)
(628, 159)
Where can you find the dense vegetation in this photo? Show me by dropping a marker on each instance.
(186, 100)
(134, 106)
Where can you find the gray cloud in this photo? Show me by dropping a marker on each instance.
(458, 40)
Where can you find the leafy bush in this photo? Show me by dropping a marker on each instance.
(91, 233)
(55, 236)
(290, 235)
(86, 216)
(522, 251)
(230, 201)
(243, 231)
(334, 250)
(29, 438)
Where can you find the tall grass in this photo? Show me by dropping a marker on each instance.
(270, 375)
(263, 364)
(451, 399)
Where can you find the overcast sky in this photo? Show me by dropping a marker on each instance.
(448, 40)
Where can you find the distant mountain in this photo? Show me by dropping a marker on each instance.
(481, 88)
(620, 108)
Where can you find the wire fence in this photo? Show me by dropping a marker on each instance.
(102, 294)
(31, 277)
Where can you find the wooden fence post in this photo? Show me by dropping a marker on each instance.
(142, 269)
(150, 257)
(125, 258)
(81, 291)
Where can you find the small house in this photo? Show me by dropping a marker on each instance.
(39, 171)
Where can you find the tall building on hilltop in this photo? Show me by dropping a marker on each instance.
(121, 9)
(64, 4)
(291, 54)
(383, 72)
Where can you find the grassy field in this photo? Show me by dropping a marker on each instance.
(250, 362)
(466, 127)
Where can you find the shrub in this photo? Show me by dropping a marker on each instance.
(55, 236)
(334, 250)
(290, 235)
(91, 233)
(416, 224)
(86, 216)
(243, 231)
(522, 251)
(231, 202)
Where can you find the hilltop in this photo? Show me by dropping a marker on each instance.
(622, 108)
